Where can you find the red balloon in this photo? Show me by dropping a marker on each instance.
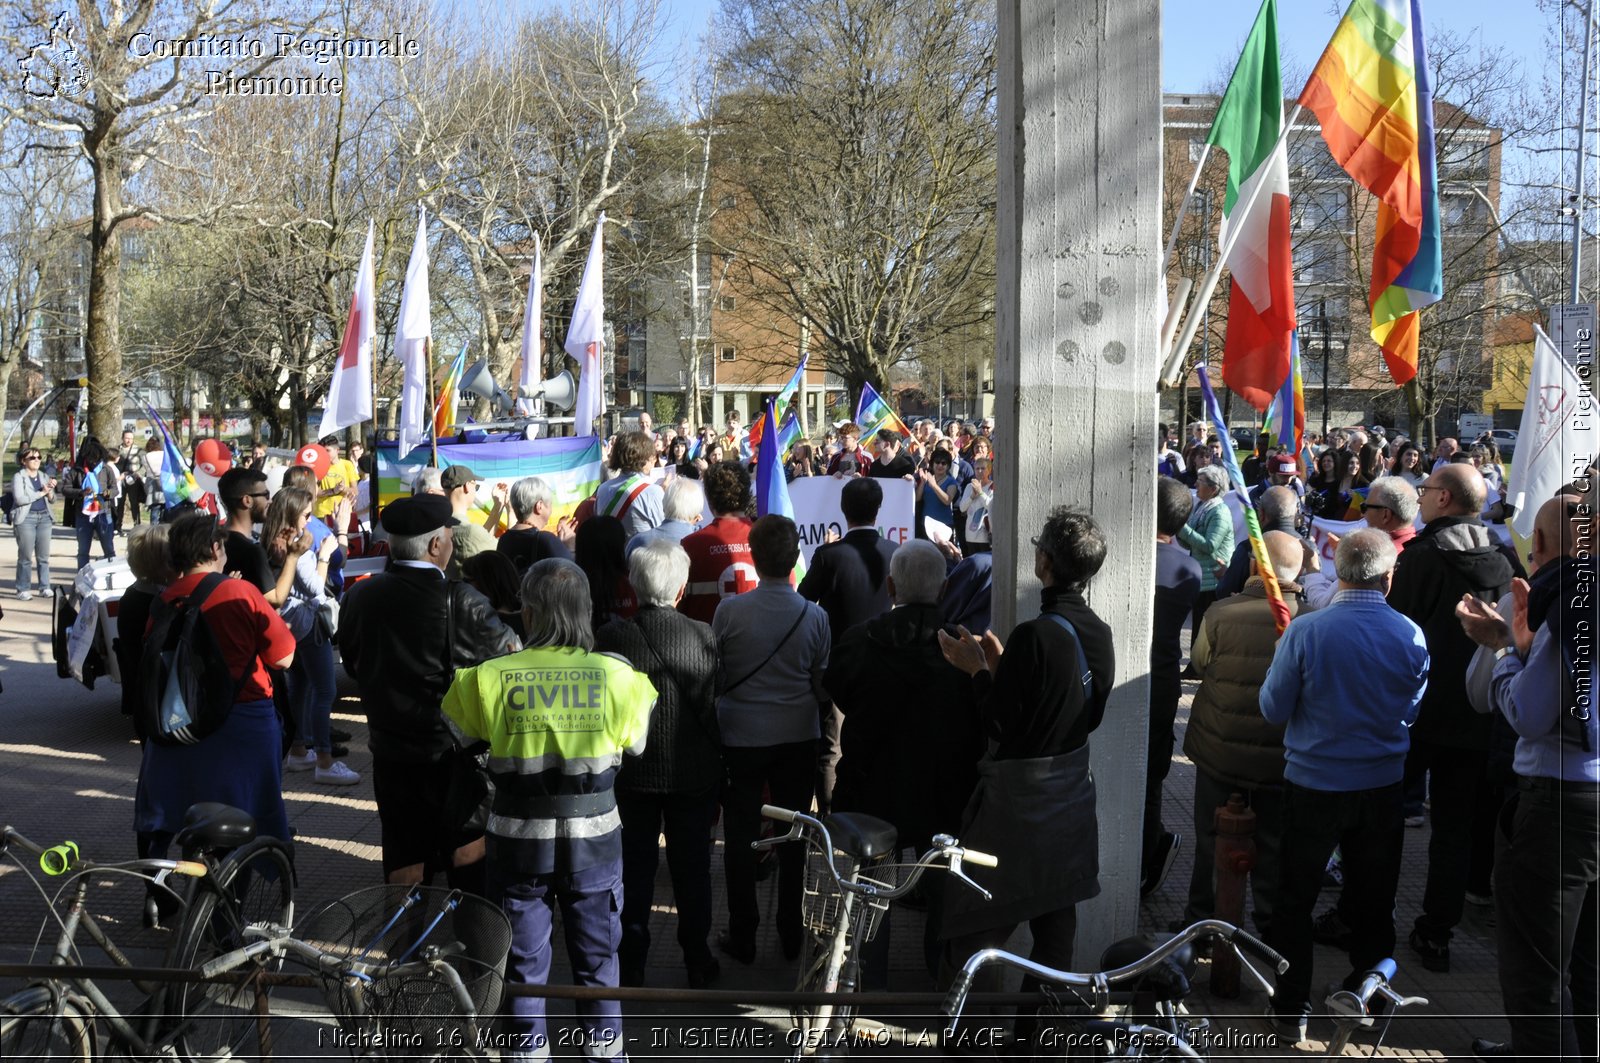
(316, 456)
(212, 457)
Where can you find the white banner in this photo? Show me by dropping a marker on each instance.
(816, 510)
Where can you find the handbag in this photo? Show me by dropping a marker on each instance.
(469, 792)
(328, 617)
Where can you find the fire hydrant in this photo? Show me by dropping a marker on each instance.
(1235, 858)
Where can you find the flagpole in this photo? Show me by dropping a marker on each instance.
(433, 434)
(1191, 325)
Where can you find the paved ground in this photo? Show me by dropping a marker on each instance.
(69, 764)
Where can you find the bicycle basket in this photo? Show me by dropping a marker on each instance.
(823, 901)
(389, 945)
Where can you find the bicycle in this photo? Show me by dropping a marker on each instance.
(842, 909)
(1161, 975)
(408, 968)
(235, 878)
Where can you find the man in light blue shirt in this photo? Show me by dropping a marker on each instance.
(1345, 682)
(1547, 849)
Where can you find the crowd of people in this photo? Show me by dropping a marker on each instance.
(544, 704)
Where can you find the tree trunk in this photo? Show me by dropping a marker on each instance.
(102, 339)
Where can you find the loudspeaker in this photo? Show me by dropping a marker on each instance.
(479, 381)
(560, 391)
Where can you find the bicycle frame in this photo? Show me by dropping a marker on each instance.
(146, 1039)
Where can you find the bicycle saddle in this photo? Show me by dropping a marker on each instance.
(1169, 981)
(211, 825)
(863, 837)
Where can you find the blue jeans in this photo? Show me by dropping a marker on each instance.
(311, 691)
(33, 549)
(99, 527)
(591, 908)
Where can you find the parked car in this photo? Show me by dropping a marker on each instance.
(1506, 440)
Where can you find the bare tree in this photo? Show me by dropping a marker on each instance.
(860, 155)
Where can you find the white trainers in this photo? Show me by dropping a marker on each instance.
(336, 774)
(24, 596)
(300, 763)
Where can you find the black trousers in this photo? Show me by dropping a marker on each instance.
(686, 820)
(788, 773)
(1464, 805)
(1054, 936)
(1546, 877)
(1369, 829)
(1165, 690)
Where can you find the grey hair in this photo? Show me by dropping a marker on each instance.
(1286, 553)
(685, 500)
(1396, 495)
(527, 493)
(1215, 475)
(658, 570)
(918, 571)
(427, 481)
(413, 547)
(1364, 557)
(1277, 505)
(557, 609)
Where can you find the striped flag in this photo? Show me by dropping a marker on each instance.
(772, 486)
(1373, 97)
(781, 405)
(1291, 400)
(177, 482)
(444, 410)
(874, 415)
(532, 331)
(1258, 545)
(411, 332)
(1249, 127)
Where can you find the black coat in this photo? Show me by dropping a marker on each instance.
(395, 638)
(682, 754)
(911, 738)
(1450, 557)
(850, 579)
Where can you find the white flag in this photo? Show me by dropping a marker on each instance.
(350, 388)
(532, 328)
(1558, 433)
(411, 334)
(586, 339)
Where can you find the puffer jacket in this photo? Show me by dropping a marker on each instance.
(1227, 737)
(1209, 537)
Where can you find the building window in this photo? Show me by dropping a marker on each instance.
(725, 302)
(1197, 148)
(726, 354)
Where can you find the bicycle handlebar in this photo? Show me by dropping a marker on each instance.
(944, 846)
(1100, 982)
(1353, 1006)
(59, 859)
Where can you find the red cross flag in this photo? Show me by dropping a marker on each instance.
(350, 387)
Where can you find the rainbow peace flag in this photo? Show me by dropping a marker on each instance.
(444, 410)
(874, 415)
(177, 482)
(1373, 97)
(569, 464)
(784, 403)
(1258, 545)
(1291, 401)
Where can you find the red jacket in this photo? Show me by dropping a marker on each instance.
(720, 566)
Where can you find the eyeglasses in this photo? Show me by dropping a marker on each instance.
(1428, 487)
(259, 494)
(31, 457)
(1367, 505)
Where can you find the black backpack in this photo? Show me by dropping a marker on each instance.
(188, 689)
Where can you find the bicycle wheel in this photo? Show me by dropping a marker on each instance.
(33, 1025)
(255, 884)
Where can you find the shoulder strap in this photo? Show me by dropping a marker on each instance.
(781, 642)
(1083, 660)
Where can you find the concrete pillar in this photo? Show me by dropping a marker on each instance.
(1079, 248)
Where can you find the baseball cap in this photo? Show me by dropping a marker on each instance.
(418, 514)
(1284, 466)
(457, 476)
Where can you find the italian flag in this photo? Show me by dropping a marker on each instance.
(1248, 126)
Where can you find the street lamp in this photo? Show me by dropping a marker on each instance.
(1321, 320)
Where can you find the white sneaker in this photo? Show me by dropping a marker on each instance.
(336, 774)
(24, 596)
(300, 763)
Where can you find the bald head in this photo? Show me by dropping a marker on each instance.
(1453, 491)
(1286, 553)
(1278, 507)
(1564, 527)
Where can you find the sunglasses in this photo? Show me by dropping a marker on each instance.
(31, 457)
(1366, 506)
